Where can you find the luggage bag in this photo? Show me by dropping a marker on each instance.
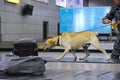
(31, 65)
(25, 47)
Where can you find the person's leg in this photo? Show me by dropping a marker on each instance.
(114, 56)
(116, 49)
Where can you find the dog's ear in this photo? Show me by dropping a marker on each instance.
(54, 42)
(51, 42)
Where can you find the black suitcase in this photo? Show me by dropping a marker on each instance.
(25, 47)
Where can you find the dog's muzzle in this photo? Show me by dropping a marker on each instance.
(46, 48)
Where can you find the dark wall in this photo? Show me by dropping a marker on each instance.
(93, 3)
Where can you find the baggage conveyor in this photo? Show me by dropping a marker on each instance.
(93, 68)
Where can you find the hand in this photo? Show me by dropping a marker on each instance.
(107, 21)
(118, 22)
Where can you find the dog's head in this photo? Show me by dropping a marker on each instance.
(50, 43)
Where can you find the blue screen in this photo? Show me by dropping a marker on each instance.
(83, 19)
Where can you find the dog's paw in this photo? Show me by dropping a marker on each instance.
(75, 59)
(81, 58)
(108, 59)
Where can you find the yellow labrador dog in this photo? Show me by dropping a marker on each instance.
(73, 41)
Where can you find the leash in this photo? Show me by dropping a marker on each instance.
(114, 25)
(98, 27)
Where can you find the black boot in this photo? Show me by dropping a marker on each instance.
(114, 56)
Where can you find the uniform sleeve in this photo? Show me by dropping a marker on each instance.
(109, 15)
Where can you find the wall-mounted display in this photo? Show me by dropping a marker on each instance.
(83, 19)
(14, 1)
(70, 3)
(74, 3)
(44, 1)
(62, 3)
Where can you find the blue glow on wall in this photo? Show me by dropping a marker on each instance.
(81, 19)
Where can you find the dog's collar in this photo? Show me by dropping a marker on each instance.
(58, 42)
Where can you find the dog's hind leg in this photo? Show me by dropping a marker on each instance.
(75, 56)
(85, 48)
(96, 44)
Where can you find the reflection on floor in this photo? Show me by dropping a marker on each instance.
(68, 75)
(70, 70)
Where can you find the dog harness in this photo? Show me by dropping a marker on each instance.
(58, 42)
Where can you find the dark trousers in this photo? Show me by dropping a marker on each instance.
(116, 48)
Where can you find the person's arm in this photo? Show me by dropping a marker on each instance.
(109, 16)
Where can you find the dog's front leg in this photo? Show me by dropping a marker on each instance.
(65, 52)
(87, 54)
